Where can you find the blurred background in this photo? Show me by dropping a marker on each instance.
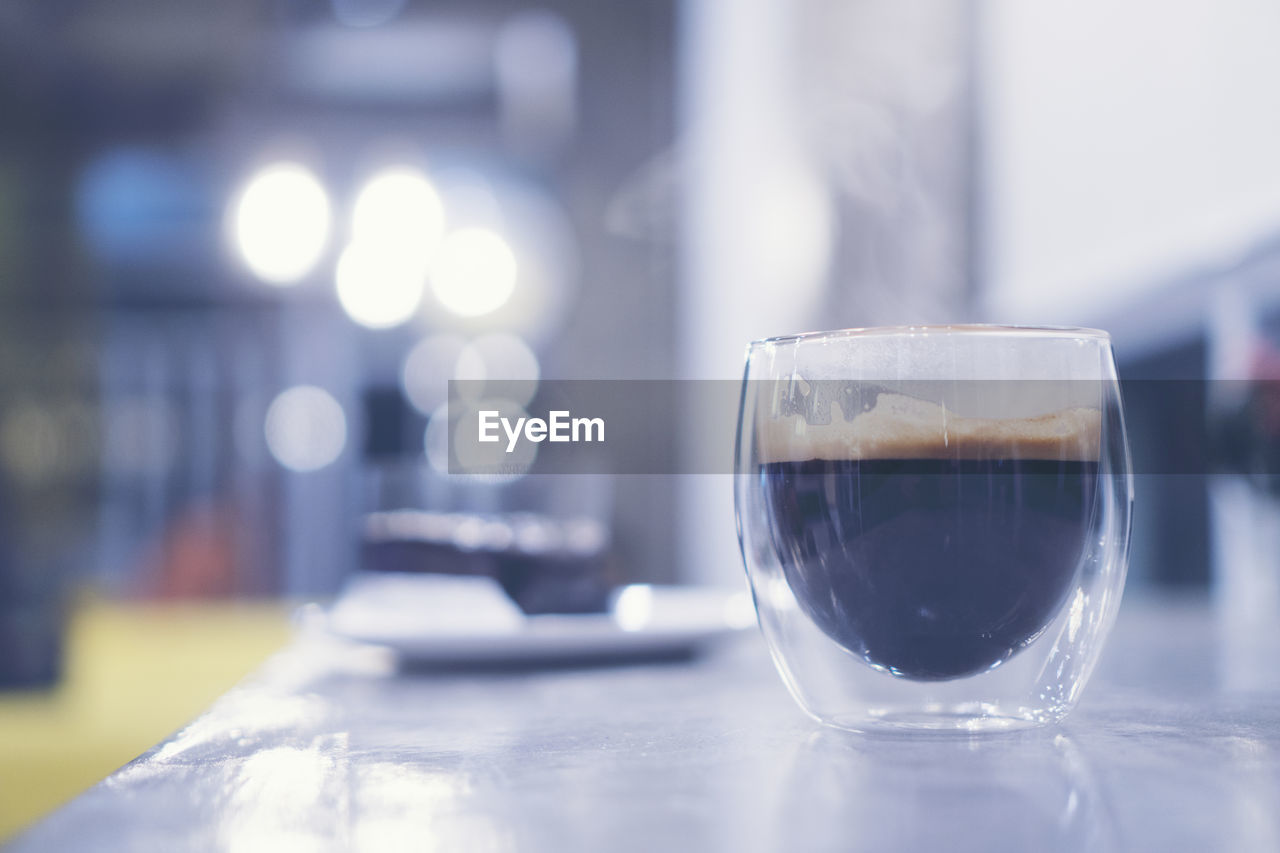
(243, 246)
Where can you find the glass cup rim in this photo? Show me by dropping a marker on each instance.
(974, 329)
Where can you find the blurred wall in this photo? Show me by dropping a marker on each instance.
(1124, 144)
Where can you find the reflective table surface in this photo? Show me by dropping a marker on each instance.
(330, 747)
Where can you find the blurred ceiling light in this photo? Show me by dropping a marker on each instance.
(427, 371)
(400, 211)
(281, 223)
(475, 272)
(536, 231)
(366, 13)
(504, 360)
(425, 59)
(305, 428)
(379, 288)
(536, 67)
(536, 47)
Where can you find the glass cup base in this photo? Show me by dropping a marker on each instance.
(965, 719)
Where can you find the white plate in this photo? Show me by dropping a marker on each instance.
(432, 619)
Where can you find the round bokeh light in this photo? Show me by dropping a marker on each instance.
(475, 272)
(399, 210)
(305, 428)
(378, 289)
(281, 223)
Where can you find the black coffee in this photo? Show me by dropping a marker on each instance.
(931, 569)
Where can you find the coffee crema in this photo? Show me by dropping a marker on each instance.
(902, 427)
(931, 546)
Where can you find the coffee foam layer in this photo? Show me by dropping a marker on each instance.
(901, 427)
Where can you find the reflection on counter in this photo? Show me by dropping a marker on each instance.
(1017, 792)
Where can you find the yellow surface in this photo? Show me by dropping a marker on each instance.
(135, 673)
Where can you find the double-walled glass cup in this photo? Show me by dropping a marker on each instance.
(934, 520)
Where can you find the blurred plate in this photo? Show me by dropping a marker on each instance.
(435, 620)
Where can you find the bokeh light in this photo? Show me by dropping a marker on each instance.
(377, 288)
(475, 272)
(427, 370)
(281, 223)
(451, 434)
(541, 241)
(490, 462)
(500, 358)
(305, 428)
(400, 211)
(435, 440)
(633, 607)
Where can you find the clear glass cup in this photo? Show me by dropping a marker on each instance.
(934, 520)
